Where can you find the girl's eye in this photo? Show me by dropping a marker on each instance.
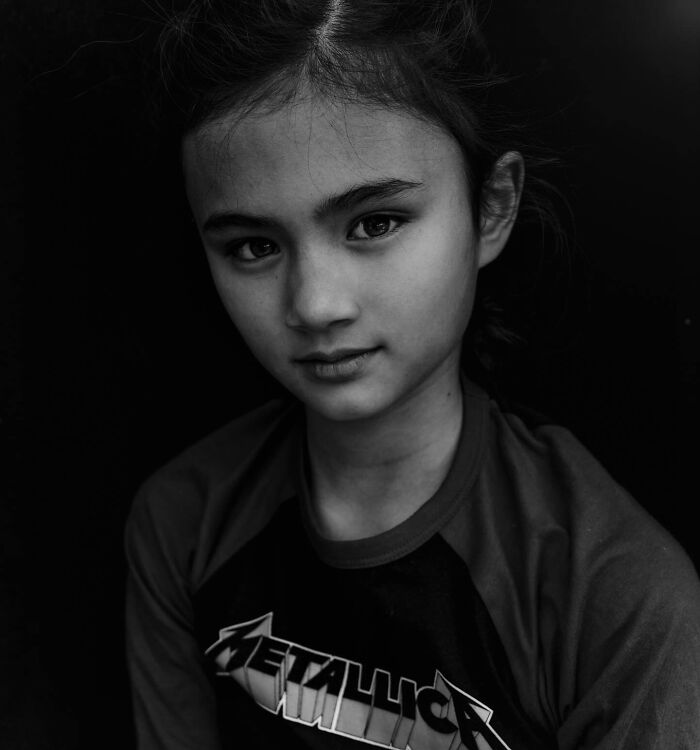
(373, 226)
(251, 250)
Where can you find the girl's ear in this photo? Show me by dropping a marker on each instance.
(499, 205)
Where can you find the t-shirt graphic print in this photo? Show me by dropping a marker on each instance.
(345, 698)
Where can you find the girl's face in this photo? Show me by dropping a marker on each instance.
(341, 241)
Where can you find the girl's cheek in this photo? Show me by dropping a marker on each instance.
(255, 314)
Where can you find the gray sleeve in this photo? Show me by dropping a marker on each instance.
(173, 702)
(631, 681)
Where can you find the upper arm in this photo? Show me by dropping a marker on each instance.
(633, 652)
(173, 701)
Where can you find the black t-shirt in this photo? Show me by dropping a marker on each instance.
(530, 603)
(397, 653)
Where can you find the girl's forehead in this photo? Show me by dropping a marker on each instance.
(316, 142)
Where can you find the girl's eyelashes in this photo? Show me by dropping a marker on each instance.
(255, 249)
(375, 226)
(252, 249)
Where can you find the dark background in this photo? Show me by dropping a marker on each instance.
(116, 355)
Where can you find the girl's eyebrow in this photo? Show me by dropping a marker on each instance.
(388, 188)
(348, 199)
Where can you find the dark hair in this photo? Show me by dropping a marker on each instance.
(425, 56)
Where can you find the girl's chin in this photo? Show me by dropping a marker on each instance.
(346, 404)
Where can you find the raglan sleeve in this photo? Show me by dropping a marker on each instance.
(630, 676)
(173, 702)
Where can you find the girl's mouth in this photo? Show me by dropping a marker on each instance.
(338, 365)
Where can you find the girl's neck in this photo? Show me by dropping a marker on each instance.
(368, 476)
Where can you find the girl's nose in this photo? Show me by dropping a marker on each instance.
(319, 292)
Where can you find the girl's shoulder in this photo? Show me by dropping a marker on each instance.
(556, 474)
(220, 456)
(553, 505)
(241, 470)
(214, 457)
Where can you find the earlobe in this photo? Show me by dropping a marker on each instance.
(500, 202)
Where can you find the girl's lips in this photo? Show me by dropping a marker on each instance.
(337, 366)
(333, 355)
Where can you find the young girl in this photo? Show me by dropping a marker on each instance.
(387, 558)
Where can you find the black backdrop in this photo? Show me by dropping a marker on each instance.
(116, 355)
